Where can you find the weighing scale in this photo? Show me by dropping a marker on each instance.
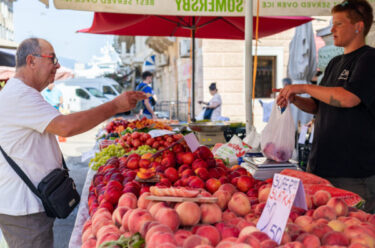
(263, 168)
(209, 133)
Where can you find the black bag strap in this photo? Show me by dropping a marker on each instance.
(22, 174)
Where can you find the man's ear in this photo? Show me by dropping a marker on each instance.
(359, 26)
(30, 60)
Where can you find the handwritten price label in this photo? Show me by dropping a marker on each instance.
(285, 193)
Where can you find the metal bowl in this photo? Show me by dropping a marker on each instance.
(208, 126)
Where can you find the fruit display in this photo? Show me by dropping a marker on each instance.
(119, 125)
(121, 212)
(105, 154)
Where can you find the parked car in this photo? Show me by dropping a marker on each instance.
(78, 98)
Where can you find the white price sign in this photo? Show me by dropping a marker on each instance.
(285, 192)
(192, 141)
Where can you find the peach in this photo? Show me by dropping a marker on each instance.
(118, 214)
(125, 218)
(361, 215)
(223, 198)
(212, 185)
(371, 219)
(339, 205)
(250, 240)
(195, 240)
(321, 197)
(227, 230)
(209, 232)
(263, 193)
(303, 221)
(241, 245)
(189, 213)
(242, 223)
(258, 208)
(320, 229)
(211, 213)
(239, 204)
(87, 225)
(168, 244)
(181, 235)
(87, 235)
(285, 238)
(97, 224)
(337, 225)
(90, 243)
(295, 244)
(169, 217)
(309, 240)
(204, 246)
(106, 238)
(244, 183)
(147, 225)
(137, 218)
(325, 212)
(127, 200)
(357, 245)
(225, 244)
(335, 238)
(363, 239)
(261, 236)
(142, 201)
(248, 230)
(107, 229)
(228, 215)
(157, 229)
(350, 221)
(356, 230)
(156, 207)
(159, 238)
(101, 213)
(293, 230)
(228, 187)
(268, 244)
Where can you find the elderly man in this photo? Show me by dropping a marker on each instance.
(28, 125)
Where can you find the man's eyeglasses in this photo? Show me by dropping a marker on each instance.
(52, 57)
(352, 6)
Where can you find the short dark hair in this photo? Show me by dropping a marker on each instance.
(357, 10)
(27, 47)
(146, 74)
(212, 86)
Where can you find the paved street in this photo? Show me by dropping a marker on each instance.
(72, 150)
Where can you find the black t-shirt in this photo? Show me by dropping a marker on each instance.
(344, 138)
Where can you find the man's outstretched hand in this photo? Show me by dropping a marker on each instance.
(128, 100)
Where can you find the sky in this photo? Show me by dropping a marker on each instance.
(33, 19)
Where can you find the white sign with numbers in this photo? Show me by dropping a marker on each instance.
(285, 192)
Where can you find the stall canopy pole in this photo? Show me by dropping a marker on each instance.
(248, 64)
(193, 74)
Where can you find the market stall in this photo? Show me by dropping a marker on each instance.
(151, 185)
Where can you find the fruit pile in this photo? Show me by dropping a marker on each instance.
(132, 141)
(119, 125)
(105, 154)
(119, 209)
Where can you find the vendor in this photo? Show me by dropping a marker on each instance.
(213, 109)
(344, 136)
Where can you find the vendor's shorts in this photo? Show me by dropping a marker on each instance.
(365, 187)
(27, 231)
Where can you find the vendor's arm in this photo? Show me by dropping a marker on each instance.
(334, 96)
(76, 123)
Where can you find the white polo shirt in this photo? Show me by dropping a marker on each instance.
(24, 115)
(216, 114)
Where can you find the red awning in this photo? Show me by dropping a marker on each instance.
(181, 26)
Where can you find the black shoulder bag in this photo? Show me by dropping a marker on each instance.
(56, 190)
(208, 112)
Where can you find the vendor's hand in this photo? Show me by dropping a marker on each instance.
(128, 100)
(200, 102)
(288, 93)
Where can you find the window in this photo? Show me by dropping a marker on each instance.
(107, 90)
(82, 94)
(95, 92)
(266, 76)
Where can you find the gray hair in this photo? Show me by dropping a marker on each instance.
(27, 47)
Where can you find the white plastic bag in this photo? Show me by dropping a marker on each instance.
(253, 140)
(277, 139)
(232, 150)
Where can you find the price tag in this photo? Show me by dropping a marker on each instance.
(285, 192)
(160, 132)
(192, 141)
(302, 135)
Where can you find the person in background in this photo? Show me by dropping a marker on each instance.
(214, 105)
(53, 96)
(145, 87)
(344, 104)
(28, 126)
